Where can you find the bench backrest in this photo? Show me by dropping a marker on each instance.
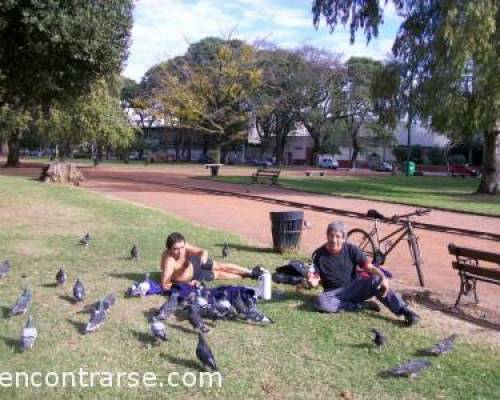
(269, 171)
(478, 255)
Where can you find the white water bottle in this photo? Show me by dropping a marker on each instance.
(264, 290)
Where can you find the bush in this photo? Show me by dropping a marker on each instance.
(457, 159)
(436, 156)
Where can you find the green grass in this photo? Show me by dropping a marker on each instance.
(303, 355)
(427, 191)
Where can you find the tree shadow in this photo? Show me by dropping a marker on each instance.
(12, 343)
(361, 345)
(187, 363)
(67, 298)
(79, 326)
(249, 249)
(144, 338)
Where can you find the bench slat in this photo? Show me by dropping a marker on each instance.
(479, 255)
(480, 271)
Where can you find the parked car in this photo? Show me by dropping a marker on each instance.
(463, 171)
(326, 161)
(205, 159)
(261, 163)
(382, 167)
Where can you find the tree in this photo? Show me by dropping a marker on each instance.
(208, 90)
(459, 69)
(52, 51)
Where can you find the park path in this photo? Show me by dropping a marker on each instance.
(162, 189)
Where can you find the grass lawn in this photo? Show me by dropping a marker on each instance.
(303, 355)
(427, 191)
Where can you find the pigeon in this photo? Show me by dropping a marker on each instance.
(158, 329)
(169, 307)
(22, 303)
(4, 268)
(223, 305)
(213, 313)
(109, 301)
(97, 318)
(85, 241)
(194, 318)
(225, 250)
(61, 277)
(379, 338)
(204, 353)
(307, 224)
(79, 291)
(411, 368)
(28, 335)
(442, 347)
(200, 300)
(239, 304)
(255, 315)
(134, 253)
(139, 288)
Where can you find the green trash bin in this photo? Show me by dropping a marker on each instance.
(409, 168)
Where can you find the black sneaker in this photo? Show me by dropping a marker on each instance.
(257, 271)
(370, 306)
(411, 318)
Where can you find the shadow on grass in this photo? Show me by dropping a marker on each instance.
(135, 276)
(187, 363)
(144, 338)
(5, 311)
(67, 298)
(183, 329)
(249, 249)
(48, 285)
(14, 344)
(79, 326)
(148, 314)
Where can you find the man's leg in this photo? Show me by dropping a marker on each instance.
(331, 302)
(233, 269)
(219, 274)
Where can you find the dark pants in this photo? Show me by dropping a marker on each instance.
(349, 298)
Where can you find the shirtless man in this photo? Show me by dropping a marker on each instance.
(184, 263)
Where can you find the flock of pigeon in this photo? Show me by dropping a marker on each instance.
(196, 307)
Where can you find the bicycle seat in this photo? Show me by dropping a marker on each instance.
(372, 213)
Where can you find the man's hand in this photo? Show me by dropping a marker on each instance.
(313, 279)
(195, 283)
(384, 287)
(204, 257)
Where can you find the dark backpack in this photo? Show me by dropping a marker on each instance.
(292, 273)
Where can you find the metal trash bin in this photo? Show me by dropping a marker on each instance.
(286, 227)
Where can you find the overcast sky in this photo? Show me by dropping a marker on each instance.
(165, 28)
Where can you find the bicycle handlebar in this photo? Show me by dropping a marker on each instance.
(418, 212)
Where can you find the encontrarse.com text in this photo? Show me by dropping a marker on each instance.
(90, 379)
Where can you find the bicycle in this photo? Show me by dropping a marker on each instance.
(372, 244)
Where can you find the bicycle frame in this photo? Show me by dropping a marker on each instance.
(406, 230)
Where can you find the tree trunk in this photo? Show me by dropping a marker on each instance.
(13, 157)
(489, 182)
(315, 150)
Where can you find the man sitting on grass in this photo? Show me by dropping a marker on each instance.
(335, 269)
(184, 263)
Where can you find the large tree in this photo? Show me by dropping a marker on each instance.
(53, 51)
(459, 70)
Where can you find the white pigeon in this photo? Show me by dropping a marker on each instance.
(158, 329)
(28, 335)
(144, 286)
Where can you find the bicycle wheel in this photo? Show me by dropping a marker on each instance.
(415, 254)
(362, 240)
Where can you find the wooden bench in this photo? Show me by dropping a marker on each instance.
(268, 173)
(315, 172)
(471, 268)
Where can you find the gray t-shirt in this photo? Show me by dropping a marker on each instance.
(338, 270)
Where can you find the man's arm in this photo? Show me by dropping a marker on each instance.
(196, 251)
(167, 269)
(373, 270)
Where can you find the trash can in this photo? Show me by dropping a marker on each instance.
(286, 228)
(214, 169)
(409, 168)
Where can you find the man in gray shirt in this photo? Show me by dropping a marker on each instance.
(335, 265)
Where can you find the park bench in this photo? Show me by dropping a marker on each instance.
(315, 172)
(214, 168)
(268, 173)
(470, 264)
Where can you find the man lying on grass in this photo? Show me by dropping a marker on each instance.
(335, 269)
(184, 263)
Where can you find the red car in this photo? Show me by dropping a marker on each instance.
(463, 171)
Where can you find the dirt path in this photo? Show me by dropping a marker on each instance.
(250, 219)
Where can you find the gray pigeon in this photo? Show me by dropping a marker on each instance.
(254, 314)
(225, 250)
(109, 301)
(134, 253)
(239, 304)
(411, 368)
(61, 276)
(213, 313)
(4, 268)
(79, 291)
(158, 329)
(442, 347)
(204, 353)
(379, 339)
(28, 335)
(85, 241)
(194, 317)
(169, 307)
(22, 303)
(97, 318)
(200, 300)
(223, 305)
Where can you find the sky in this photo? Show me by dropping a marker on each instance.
(164, 29)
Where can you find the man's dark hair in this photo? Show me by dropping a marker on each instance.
(174, 238)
